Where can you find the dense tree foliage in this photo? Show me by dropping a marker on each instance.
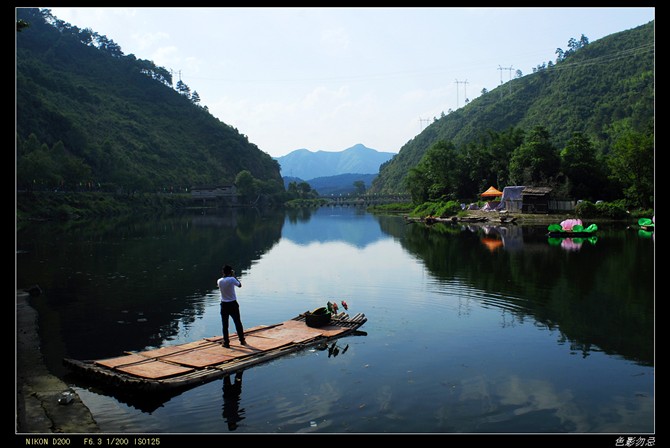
(447, 174)
(582, 169)
(561, 126)
(89, 117)
(632, 164)
(434, 176)
(535, 161)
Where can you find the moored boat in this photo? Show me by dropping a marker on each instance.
(646, 224)
(571, 228)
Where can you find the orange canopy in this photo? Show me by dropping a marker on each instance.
(491, 192)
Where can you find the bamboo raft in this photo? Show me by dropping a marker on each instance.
(186, 365)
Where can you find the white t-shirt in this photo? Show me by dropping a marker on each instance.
(227, 287)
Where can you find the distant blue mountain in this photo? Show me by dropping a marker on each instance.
(334, 185)
(306, 164)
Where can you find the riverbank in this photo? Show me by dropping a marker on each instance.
(37, 391)
(494, 217)
(520, 218)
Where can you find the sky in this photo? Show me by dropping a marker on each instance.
(326, 79)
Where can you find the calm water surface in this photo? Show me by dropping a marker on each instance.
(470, 329)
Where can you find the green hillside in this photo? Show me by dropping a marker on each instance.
(596, 89)
(90, 117)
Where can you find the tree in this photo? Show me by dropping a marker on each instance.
(573, 45)
(417, 183)
(304, 189)
(583, 41)
(632, 164)
(301, 190)
(435, 176)
(292, 190)
(536, 160)
(559, 54)
(37, 170)
(183, 88)
(359, 185)
(580, 165)
(500, 149)
(244, 182)
(486, 162)
(195, 98)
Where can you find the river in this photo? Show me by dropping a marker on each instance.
(471, 329)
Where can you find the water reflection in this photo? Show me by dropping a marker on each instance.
(493, 244)
(152, 276)
(328, 224)
(509, 237)
(232, 390)
(333, 348)
(571, 244)
(582, 297)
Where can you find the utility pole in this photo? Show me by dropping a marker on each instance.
(421, 122)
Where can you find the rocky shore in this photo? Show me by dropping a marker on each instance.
(41, 406)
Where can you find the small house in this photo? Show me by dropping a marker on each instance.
(511, 199)
(535, 199)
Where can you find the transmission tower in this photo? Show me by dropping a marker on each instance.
(464, 91)
(510, 68)
(501, 82)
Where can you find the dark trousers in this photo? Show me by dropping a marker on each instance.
(231, 309)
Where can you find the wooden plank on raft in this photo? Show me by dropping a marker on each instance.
(165, 351)
(121, 360)
(215, 354)
(292, 332)
(155, 369)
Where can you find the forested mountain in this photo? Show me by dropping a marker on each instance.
(306, 164)
(88, 116)
(603, 90)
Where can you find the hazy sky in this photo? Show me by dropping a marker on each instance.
(329, 78)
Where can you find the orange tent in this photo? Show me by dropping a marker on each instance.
(491, 192)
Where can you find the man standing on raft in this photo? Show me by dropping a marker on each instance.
(229, 305)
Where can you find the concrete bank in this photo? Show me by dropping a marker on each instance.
(37, 391)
